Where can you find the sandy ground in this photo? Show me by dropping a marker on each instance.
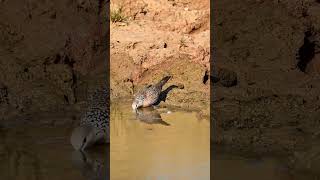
(158, 38)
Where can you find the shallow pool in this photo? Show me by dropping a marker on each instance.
(160, 143)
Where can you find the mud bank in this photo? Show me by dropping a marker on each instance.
(50, 52)
(272, 49)
(153, 39)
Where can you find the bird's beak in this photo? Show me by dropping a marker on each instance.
(82, 149)
(134, 110)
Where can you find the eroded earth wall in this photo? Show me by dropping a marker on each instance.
(50, 52)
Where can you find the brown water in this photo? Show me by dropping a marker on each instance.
(42, 151)
(152, 145)
(228, 165)
(156, 144)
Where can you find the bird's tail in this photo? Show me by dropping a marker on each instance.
(163, 81)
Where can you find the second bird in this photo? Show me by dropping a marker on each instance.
(149, 95)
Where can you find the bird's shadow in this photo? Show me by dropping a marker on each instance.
(164, 94)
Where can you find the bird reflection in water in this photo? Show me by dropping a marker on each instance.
(93, 165)
(150, 116)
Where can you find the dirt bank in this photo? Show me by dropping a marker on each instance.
(272, 49)
(150, 39)
(50, 52)
(265, 83)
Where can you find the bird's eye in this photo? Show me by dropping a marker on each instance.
(84, 140)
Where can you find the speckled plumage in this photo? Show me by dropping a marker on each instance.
(99, 99)
(149, 95)
(94, 123)
(99, 119)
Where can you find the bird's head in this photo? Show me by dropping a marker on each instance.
(82, 137)
(136, 104)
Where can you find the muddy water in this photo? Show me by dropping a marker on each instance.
(161, 144)
(158, 144)
(231, 165)
(41, 151)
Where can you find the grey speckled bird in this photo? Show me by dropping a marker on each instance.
(99, 99)
(149, 95)
(94, 124)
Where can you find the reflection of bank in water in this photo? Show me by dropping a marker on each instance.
(93, 165)
(150, 116)
(29, 151)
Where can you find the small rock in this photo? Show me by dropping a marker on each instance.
(180, 86)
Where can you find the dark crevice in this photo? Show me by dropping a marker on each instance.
(63, 59)
(66, 99)
(205, 77)
(306, 52)
(74, 78)
(68, 61)
(57, 59)
(305, 13)
(214, 79)
(100, 6)
(74, 84)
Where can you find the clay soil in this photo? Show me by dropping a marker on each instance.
(51, 54)
(264, 83)
(158, 38)
(272, 49)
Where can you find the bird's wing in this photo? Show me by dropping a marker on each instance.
(143, 90)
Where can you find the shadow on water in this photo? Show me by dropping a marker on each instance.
(42, 151)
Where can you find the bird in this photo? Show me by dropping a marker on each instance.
(94, 123)
(149, 95)
(99, 99)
